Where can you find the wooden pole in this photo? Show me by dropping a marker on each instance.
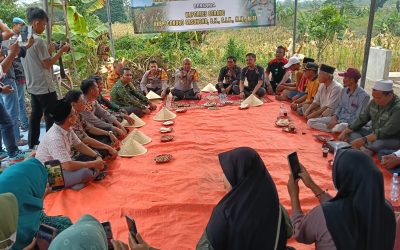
(368, 42)
(294, 28)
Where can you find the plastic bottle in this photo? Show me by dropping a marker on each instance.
(169, 101)
(394, 190)
(283, 111)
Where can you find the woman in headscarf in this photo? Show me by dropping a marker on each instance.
(357, 218)
(27, 182)
(86, 234)
(249, 216)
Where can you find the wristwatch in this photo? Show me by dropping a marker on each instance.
(110, 133)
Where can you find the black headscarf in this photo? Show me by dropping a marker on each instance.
(247, 217)
(359, 216)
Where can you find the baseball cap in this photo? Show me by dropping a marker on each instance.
(293, 60)
(351, 73)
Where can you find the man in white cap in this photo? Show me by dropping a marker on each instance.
(384, 113)
(292, 66)
(327, 97)
(352, 101)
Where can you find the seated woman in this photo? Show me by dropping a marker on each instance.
(87, 233)
(27, 182)
(249, 216)
(186, 82)
(358, 217)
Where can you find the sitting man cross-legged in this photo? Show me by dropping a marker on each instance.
(251, 79)
(186, 82)
(276, 70)
(95, 114)
(352, 101)
(384, 113)
(286, 90)
(155, 79)
(231, 74)
(57, 144)
(310, 75)
(125, 95)
(327, 97)
(81, 128)
(293, 91)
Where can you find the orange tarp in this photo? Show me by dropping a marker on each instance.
(172, 202)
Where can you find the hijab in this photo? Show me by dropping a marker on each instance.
(86, 234)
(27, 181)
(246, 217)
(8, 219)
(359, 216)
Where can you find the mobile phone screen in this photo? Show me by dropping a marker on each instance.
(107, 228)
(55, 175)
(132, 227)
(44, 236)
(294, 165)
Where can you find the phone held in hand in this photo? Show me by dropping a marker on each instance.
(132, 227)
(294, 165)
(45, 236)
(55, 175)
(107, 228)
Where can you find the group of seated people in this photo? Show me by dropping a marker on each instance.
(249, 216)
(87, 129)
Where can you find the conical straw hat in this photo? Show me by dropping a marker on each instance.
(164, 115)
(209, 88)
(138, 122)
(137, 136)
(253, 101)
(131, 148)
(151, 95)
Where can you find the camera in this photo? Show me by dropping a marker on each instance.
(59, 44)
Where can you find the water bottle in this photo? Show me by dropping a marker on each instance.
(283, 110)
(169, 101)
(394, 190)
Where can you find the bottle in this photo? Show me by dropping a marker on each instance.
(169, 101)
(283, 110)
(394, 189)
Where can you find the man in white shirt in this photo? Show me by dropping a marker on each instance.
(327, 97)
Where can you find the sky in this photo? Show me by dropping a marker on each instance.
(141, 2)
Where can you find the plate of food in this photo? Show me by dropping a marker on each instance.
(163, 158)
(323, 138)
(228, 102)
(180, 110)
(210, 104)
(167, 138)
(290, 128)
(182, 105)
(244, 106)
(165, 130)
(168, 123)
(282, 122)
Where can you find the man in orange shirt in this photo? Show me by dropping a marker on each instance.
(114, 76)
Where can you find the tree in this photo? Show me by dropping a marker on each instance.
(117, 11)
(323, 26)
(9, 10)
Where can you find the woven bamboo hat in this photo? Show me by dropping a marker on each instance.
(138, 122)
(153, 96)
(137, 136)
(253, 101)
(209, 88)
(164, 115)
(131, 148)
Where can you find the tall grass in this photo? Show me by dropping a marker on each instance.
(343, 53)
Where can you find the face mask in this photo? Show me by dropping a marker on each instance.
(12, 238)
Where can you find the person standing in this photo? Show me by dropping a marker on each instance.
(37, 64)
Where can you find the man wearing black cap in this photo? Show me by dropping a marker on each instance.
(293, 90)
(57, 145)
(327, 97)
(352, 101)
(311, 87)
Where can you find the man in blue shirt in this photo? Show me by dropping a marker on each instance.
(352, 101)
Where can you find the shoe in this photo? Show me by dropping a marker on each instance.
(3, 155)
(22, 142)
(19, 156)
(24, 129)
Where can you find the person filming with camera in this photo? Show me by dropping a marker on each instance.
(38, 69)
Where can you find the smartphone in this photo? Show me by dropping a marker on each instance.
(30, 32)
(55, 175)
(294, 165)
(44, 236)
(107, 228)
(132, 227)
